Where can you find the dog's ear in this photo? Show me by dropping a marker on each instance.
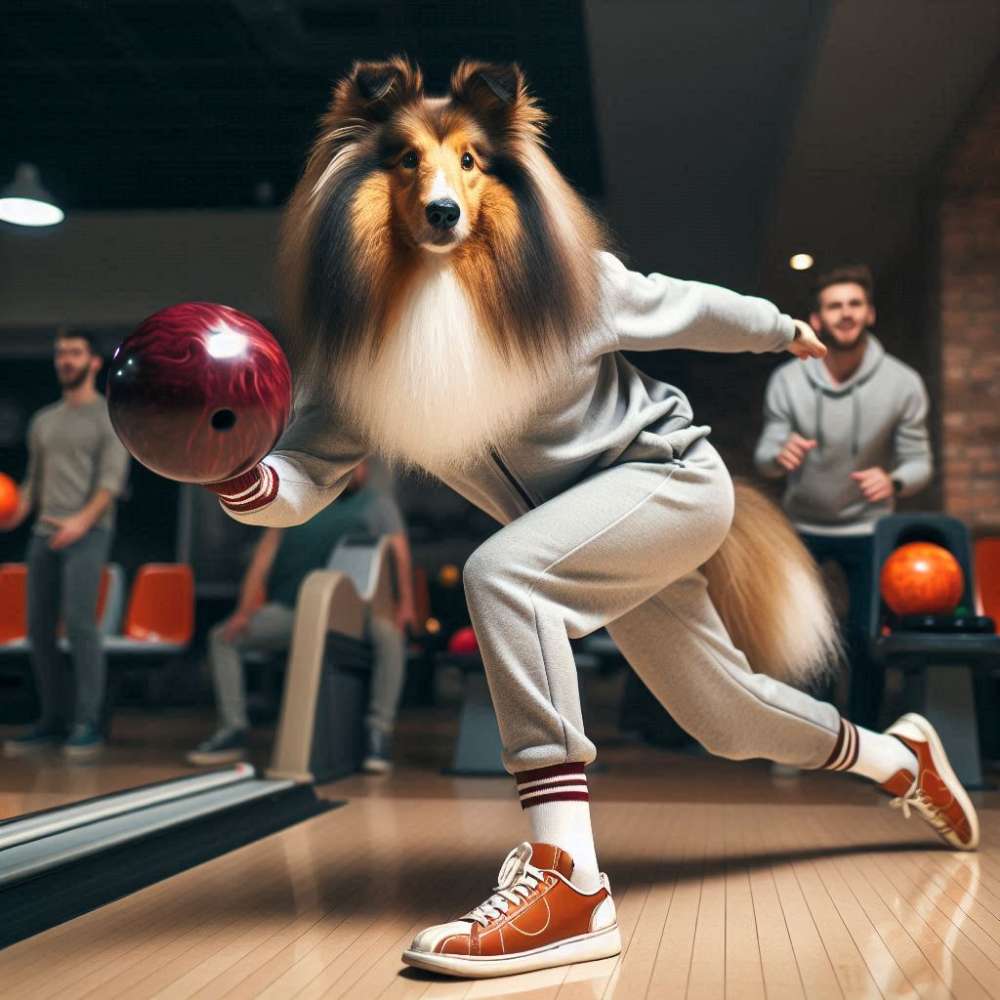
(496, 93)
(373, 90)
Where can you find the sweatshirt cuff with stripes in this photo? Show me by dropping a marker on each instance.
(249, 491)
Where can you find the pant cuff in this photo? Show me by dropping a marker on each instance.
(559, 783)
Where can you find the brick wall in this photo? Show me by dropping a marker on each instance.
(968, 225)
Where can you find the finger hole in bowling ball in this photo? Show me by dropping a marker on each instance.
(223, 420)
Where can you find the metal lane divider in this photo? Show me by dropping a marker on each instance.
(53, 821)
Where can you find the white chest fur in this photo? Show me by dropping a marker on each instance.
(439, 393)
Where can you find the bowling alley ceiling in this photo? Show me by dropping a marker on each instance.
(718, 135)
(156, 103)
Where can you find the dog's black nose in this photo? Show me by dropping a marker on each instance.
(443, 213)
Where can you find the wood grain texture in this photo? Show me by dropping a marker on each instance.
(729, 884)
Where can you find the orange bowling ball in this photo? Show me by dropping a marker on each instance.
(921, 578)
(8, 497)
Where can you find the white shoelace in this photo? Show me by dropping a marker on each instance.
(516, 881)
(917, 798)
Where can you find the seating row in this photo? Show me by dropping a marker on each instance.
(157, 618)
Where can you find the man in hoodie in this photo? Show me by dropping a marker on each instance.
(848, 432)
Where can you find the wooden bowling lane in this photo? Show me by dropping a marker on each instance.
(729, 884)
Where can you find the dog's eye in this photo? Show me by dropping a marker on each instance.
(410, 160)
(467, 161)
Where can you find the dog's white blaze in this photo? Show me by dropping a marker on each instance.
(440, 188)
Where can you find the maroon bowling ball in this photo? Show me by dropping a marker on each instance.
(199, 392)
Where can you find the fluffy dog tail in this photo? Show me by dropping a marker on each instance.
(770, 595)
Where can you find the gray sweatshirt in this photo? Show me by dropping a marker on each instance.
(877, 417)
(603, 413)
(73, 452)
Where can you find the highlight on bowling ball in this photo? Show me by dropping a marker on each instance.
(199, 392)
(8, 497)
(921, 578)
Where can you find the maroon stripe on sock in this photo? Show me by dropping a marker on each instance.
(552, 784)
(555, 797)
(548, 772)
(837, 747)
(853, 759)
(849, 755)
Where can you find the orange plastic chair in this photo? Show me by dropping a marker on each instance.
(161, 605)
(13, 601)
(988, 577)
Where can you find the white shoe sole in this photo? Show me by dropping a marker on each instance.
(586, 948)
(927, 732)
(83, 753)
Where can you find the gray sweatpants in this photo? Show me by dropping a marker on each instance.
(270, 630)
(622, 549)
(67, 581)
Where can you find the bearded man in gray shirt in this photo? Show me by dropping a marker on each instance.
(76, 469)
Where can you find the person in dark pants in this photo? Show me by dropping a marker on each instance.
(76, 469)
(264, 619)
(853, 554)
(848, 432)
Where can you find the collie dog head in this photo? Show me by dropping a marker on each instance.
(436, 264)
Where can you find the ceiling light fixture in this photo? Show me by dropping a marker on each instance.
(24, 201)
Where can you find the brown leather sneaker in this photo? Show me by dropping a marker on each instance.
(936, 793)
(535, 919)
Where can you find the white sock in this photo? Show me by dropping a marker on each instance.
(874, 755)
(558, 807)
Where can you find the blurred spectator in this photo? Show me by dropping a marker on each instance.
(849, 434)
(76, 469)
(265, 614)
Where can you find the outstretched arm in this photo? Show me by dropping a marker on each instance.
(654, 312)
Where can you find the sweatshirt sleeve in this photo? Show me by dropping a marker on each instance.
(777, 428)
(309, 468)
(29, 485)
(652, 313)
(112, 469)
(911, 443)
